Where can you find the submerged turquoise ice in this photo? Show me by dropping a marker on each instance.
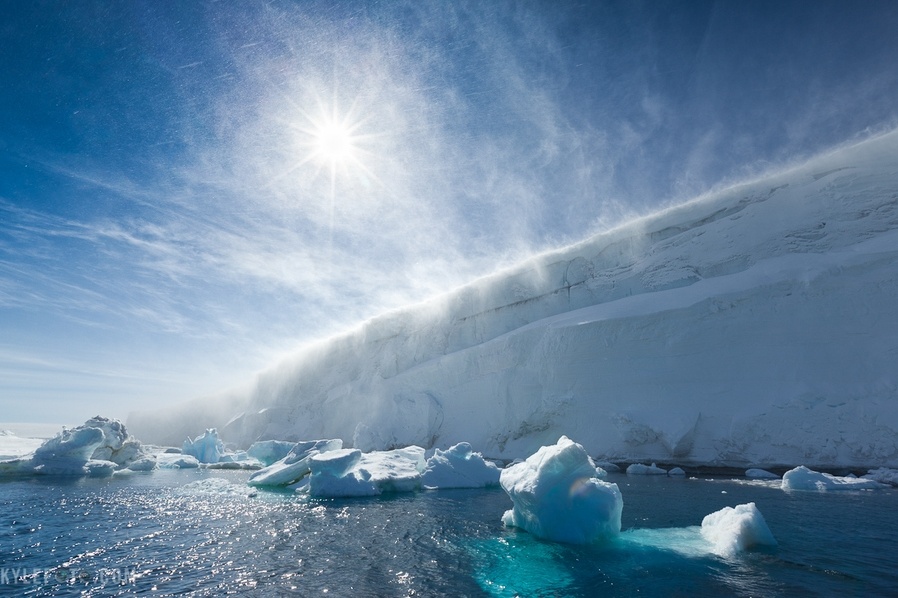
(206, 533)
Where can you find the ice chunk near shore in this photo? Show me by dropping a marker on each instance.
(802, 478)
(207, 448)
(557, 496)
(295, 464)
(641, 469)
(459, 467)
(760, 474)
(732, 530)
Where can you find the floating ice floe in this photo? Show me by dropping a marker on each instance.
(295, 465)
(99, 447)
(732, 530)
(802, 478)
(607, 466)
(349, 472)
(760, 474)
(557, 496)
(176, 461)
(641, 469)
(677, 471)
(883, 475)
(723, 533)
(459, 467)
(270, 451)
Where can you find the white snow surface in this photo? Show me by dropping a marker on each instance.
(734, 529)
(756, 324)
(802, 478)
(13, 446)
(557, 496)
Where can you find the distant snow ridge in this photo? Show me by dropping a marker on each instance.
(754, 325)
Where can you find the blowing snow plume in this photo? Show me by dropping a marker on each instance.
(754, 325)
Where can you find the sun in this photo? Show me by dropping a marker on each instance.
(333, 143)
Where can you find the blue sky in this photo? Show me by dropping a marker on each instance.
(172, 220)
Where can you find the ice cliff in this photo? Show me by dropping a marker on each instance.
(756, 325)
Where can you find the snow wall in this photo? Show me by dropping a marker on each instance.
(757, 325)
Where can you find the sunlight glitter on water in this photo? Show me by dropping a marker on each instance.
(208, 533)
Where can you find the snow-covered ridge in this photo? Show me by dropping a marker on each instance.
(754, 326)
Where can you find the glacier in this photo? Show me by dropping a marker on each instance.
(753, 326)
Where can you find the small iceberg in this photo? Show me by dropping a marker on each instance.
(349, 472)
(459, 467)
(207, 448)
(640, 469)
(734, 529)
(98, 448)
(295, 465)
(557, 496)
(802, 478)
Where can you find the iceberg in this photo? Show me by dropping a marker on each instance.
(207, 448)
(334, 474)
(883, 475)
(459, 467)
(349, 472)
(641, 469)
(267, 452)
(557, 496)
(802, 478)
(176, 461)
(732, 530)
(99, 447)
(760, 474)
(295, 465)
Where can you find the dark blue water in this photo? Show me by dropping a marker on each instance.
(207, 534)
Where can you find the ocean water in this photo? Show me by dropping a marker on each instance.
(206, 533)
